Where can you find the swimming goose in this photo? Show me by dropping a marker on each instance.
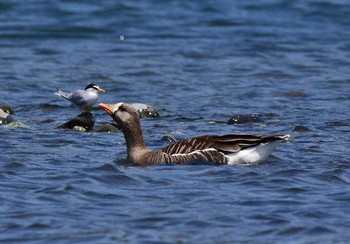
(84, 99)
(225, 149)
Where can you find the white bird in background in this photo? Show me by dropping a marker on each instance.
(84, 99)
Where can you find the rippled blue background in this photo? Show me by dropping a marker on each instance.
(198, 62)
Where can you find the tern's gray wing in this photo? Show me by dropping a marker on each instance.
(78, 98)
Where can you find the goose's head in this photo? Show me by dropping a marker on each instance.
(122, 113)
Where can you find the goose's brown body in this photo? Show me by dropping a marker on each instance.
(213, 148)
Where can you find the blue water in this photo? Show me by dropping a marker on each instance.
(199, 63)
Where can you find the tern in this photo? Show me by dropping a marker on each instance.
(83, 99)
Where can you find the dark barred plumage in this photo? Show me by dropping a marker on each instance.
(225, 144)
(226, 149)
(181, 158)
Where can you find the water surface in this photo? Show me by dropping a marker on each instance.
(197, 62)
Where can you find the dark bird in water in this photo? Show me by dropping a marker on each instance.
(231, 149)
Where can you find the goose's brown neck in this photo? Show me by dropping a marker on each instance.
(135, 143)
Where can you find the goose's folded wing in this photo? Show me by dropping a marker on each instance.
(188, 145)
(226, 143)
(235, 143)
(210, 155)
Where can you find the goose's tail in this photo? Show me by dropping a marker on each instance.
(287, 138)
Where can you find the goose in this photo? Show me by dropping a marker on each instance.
(232, 149)
(84, 99)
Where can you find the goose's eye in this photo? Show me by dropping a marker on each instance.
(122, 108)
